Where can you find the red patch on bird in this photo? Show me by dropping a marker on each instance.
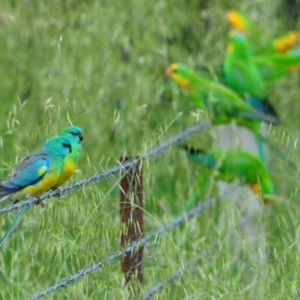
(255, 188)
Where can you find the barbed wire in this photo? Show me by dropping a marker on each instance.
(202, 206)
(108, 173)
(175, 275)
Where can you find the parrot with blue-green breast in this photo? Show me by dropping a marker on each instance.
(42, 170)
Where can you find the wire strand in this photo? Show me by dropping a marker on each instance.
(99, 265)
(108, 173)
(170, 279)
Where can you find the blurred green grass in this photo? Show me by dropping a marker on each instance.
(99, 65)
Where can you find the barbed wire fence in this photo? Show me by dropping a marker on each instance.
(132, 246)
(107, 175)
(111, 258)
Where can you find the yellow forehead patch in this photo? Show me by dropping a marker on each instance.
(236, 21)
(286, 42)
(173, 67)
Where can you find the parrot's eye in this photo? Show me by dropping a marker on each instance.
(79, 134)
(66, 145)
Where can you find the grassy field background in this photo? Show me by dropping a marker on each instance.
(99, 65)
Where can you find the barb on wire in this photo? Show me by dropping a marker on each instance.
(107, 174)
(202, 206)
(174, 276)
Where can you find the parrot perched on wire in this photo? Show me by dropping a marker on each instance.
(42, 170)
(242, 75)
(232, 164)
(241, 23)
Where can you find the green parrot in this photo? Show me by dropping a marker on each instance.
(243, 76)
(241, 23)
(223, 105)
(235, 164)
(274, 66)
(274, 60)
(42, 170)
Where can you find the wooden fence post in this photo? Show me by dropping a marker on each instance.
(131, 210)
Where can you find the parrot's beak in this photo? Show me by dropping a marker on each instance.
(168, 72)
(81, 137)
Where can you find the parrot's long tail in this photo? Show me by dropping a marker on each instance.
(277, 152)
(13, 224)
(262, 150)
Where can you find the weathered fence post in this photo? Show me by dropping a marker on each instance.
(131, 210)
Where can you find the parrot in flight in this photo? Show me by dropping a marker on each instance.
(224, 106)
(233, 164)
(42, 170)
(274, 66)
